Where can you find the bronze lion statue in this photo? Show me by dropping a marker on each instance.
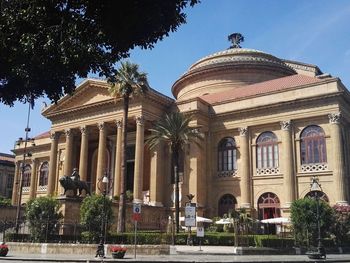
(69, 184)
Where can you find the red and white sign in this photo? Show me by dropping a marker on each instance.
(136, 215)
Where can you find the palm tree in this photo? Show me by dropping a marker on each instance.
(127, 82)
(174, 130)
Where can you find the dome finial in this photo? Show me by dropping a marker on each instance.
(236, 39)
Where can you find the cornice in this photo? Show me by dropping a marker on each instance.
(326, 81)
(247, 66)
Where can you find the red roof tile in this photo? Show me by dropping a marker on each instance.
(260, 88)
(43, 135)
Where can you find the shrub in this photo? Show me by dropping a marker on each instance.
(92, 215)
(43, 216)
(304, 219)
(5, 201)
(341, 226)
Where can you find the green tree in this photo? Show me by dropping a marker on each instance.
(174, 130)
(94, 209)
(304, 219)
(128, 81)
(71, 38)
(43, 215)
(5, 201)
(341, 226)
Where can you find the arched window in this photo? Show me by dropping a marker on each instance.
(269, 206)
(313, 145)
(26, 176)
(227, 155)
(44, 174)
(321, 195)
(267, 150)
(226, 204)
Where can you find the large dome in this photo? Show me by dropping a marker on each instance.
(225, 70)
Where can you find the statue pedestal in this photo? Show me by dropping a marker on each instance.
(70, 209)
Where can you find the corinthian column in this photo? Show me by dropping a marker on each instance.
(84, 147)
(101, 158)
(32, 189)
(16, 183)
(118, 159)
(244, 169)
(138, 178)
(69, 152)
(287, 163)
(337, 158)
(53, 163)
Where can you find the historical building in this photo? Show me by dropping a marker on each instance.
(7, 174)
(269, 124)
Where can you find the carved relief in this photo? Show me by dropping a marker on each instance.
(54, 135)
(68, 132)
(286, 125)
(334, 118)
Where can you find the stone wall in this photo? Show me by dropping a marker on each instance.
(82, 249)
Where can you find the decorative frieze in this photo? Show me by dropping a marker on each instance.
(316, 167)
(334, 118)
(268, 171)
(25, 189)
(42, 188)
(227, 173)
(286, 125)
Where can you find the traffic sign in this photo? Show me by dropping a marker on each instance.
(137, 208)
(190, 214)
(136, 217)
(200, 231)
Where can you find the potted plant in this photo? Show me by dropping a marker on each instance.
(4, 249)
(118, 251)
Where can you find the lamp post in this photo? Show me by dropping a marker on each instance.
(20, 180)
(103, 187)
(316, 190)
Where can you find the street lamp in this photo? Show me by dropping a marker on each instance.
(316, 191)
(103, 187)
(20, 180)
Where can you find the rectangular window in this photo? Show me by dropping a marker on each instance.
(259, 157)
(264, 156)
(275, 155)
(270, 159)
(229, 160)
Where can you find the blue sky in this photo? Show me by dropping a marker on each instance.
(310, 31)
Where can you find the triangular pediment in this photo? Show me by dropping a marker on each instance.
(88, 93)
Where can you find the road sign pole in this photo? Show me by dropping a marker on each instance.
(135, 238)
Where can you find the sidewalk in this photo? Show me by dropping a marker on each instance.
(183, 254)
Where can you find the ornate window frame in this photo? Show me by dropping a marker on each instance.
(267, 154)
(313, 149)
(227, 157)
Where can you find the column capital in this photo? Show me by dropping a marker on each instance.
(334, 118)
(286, 125)
(101, 126)
(54, 135)
(118, 123)
(68, 132)
(140, 120)
(84, 130)
(243, 131)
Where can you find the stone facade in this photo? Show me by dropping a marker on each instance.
(269, 126)
(7, 173)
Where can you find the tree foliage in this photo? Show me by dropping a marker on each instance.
(341, 226)
(128, 81)
(304, 219)
(43, 215)
(5, 201)
(94, 209)
(45, 45)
